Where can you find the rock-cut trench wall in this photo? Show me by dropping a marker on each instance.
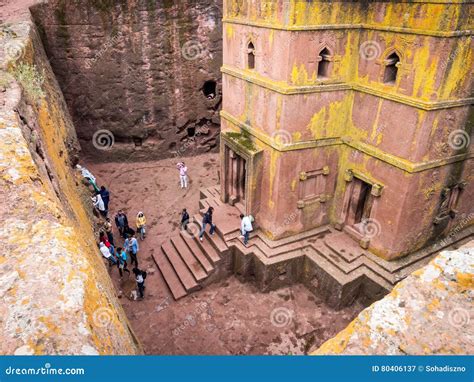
(141, 70)
(56, 296)
(429, 312)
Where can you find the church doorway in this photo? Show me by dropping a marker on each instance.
(235, 177)
(360, 203)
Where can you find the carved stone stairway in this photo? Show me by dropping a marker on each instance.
(327, 261)
(187, 263)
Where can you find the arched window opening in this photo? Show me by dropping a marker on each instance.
(250, 56)
(391, 69)
(209, 89)
(323, 66)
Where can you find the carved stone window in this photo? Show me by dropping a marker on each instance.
(324, 59)
(250, 56)
(392, 63)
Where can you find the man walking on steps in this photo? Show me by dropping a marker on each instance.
(245, 227)
(207, 219)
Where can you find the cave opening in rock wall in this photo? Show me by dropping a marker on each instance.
(210, 89)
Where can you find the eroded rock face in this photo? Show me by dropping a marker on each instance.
(56, 296)
(430, 312)
(146, 71)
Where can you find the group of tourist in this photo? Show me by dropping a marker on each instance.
(118, 255)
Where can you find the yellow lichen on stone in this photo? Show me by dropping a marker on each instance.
(418, 316)
(52, 254)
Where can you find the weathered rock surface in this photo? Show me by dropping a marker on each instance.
(55, 293)
(140, 70)
(430, 312)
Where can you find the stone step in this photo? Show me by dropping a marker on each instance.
(215, 202)
(192, 263)
(209, 250)
(202, 204)
(345, 276)
(216, 242)
(215, 191)
(180, 267)
(335, 260)
(210, 195)
(255, 241)
(348, 267)
(240, 206)
(378, 279)
(232, 235)
(312, 235)
(316, 257)
(198, 253)
(210, 192)
(249, 249)
(225, 216)
(223, 229)
(203, 193)
(277, 251)
(169, 274)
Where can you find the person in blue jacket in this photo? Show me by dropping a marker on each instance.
(122, 261)
(131, 246)
(207, 219)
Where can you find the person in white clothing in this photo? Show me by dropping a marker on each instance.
(183, 174)
(106, 253)
(88, 175)
(245, 227)
(99, 204)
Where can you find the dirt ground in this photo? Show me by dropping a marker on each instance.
(228, 317)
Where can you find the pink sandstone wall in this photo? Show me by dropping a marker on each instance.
(396, 134)
(137, 69)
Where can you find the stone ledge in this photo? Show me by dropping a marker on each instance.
(393, 160)
(359, 26)
(427, 313)
(284, 88)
